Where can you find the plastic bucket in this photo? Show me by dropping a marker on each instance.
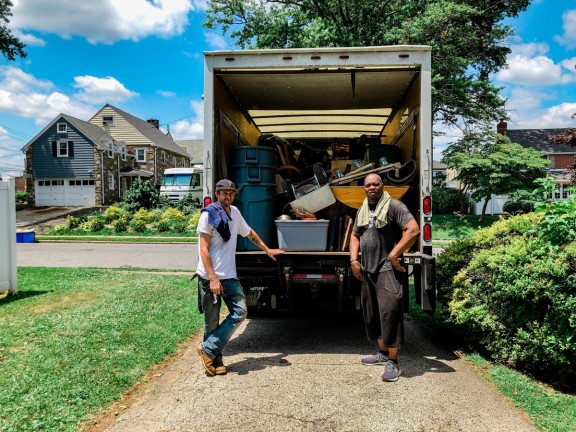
(256, 203)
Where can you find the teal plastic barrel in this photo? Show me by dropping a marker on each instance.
(256, 203)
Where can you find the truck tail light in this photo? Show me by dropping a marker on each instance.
(207, 201)
(427, 205)
(427, 232)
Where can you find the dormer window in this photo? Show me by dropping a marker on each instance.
(62, 127)
(107, 120)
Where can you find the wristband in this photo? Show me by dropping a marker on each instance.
(354, 260)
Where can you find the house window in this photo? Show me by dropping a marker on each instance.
(110, 149)
(62, 149)
(107, 120)
(124, 153)
(62, 127)
(111, 181)
(141, 155)
(163, 157)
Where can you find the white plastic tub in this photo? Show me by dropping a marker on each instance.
(302, 235)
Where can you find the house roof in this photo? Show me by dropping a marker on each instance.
(193, 148)
(151, 132)
(98, 136)
(536, 139)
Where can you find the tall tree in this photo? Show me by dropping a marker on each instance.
(467, 38)
(489, 163)
(10, 45)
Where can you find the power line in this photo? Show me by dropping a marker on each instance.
(23, 136)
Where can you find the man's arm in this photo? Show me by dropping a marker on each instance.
(354, 257)
(410, 233)
(254, 238)
(215, 285)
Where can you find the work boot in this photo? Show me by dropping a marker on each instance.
(207, 362)
(219, 367)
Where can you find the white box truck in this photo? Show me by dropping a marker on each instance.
(177, 183)
(298, 130)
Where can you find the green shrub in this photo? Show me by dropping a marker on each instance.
(188, 205)
(509, 292)
(162, 225)
(141, 194)
(447, 200)
(96, 223)
(112, 213)
(138, 225)
(520, 202)
(121, 224)
(21, 197)
(72, 222)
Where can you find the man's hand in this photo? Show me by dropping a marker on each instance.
(216, 287)
(273, 252)
(395, 261)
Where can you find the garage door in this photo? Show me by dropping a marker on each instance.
(50, 193)
(80, 193)
(65, 193)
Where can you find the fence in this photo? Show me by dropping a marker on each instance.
(8, 266)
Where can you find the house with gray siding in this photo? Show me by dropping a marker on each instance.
(75, 163)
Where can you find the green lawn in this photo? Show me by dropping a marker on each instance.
(74, 340)
(453, 227)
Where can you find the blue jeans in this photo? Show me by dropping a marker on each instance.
(217, 334)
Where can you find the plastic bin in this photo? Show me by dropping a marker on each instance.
(26, 236)
(261, 174)
(256, 203)
(253, 155)
(302, 235)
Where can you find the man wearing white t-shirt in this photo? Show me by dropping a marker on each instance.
(218, 228)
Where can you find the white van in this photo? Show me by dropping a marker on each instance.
(179, 182)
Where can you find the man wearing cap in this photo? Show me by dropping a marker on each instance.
(218, 228)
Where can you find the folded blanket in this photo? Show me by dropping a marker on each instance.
(218, 218)
(363, 217)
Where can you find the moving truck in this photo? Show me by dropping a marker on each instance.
(297, 130)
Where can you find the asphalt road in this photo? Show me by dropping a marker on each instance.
(176, 256)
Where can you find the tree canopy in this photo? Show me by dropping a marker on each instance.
(468, 39)
(489, 163)
(10, 45)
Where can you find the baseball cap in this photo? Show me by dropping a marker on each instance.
(225, 184)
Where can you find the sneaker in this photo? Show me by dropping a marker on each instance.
(391, 372)
(206, 362)
(219, 367)
(375, 360)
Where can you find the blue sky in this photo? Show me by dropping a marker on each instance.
(145, 57)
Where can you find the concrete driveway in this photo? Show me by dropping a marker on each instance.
(302, 373)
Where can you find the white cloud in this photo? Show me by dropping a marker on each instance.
(28, 39)
(215, 41)
(568, 38)
(190, 129)
(104, 21)
(534, 71)
(95, 90)
(22, 94)
(166, 93)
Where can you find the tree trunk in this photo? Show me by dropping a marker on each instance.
(484, 207)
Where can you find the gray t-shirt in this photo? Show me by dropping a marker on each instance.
(376, 244)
